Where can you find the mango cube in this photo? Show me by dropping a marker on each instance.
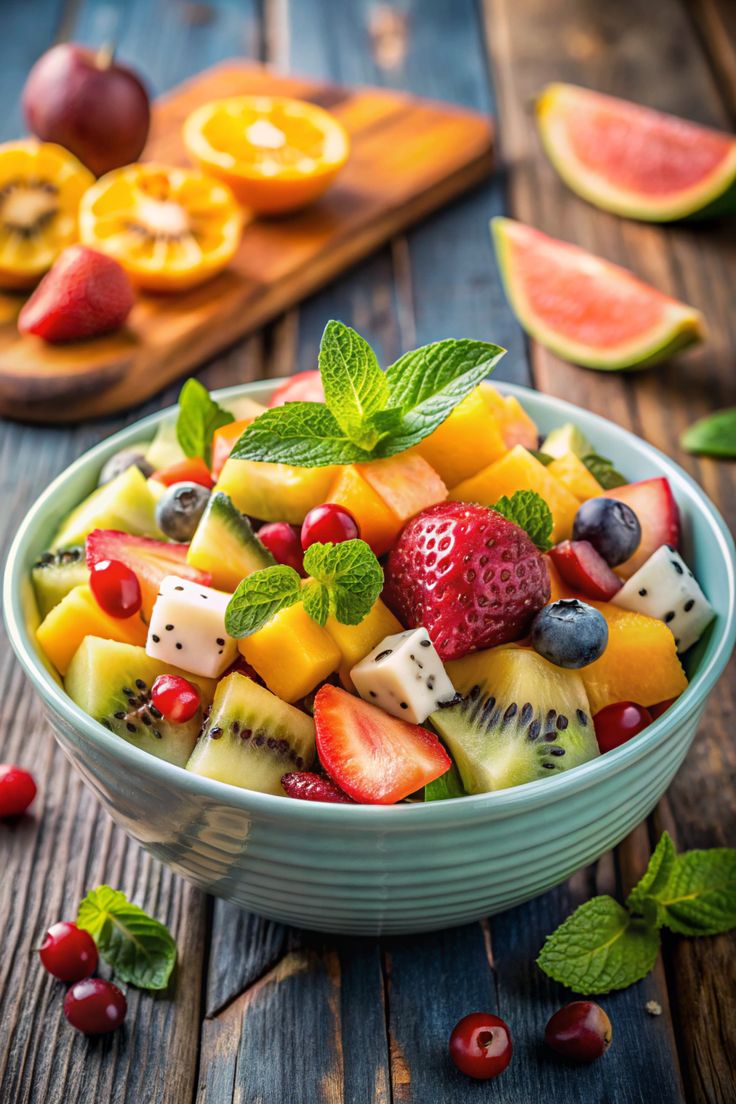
(516, 426)
(406, 483)
(78, 615)
(379, 526)
(356, 641)
(291, 653)
(468, 440)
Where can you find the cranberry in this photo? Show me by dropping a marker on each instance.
(480, 1045)
(68, 952)
(17, 790)
(617, 723)
(95, 1006)
(282, 541)
(660, 708)
(175, 697)
(328, 523)
(580, 1030)
(116, 588)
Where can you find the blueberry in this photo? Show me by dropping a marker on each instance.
(179, 509)
(120, 462)
(569, 633)
(611, 526)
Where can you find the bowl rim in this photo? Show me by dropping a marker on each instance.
(473, 807)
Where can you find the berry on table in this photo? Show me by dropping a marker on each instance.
(17, 790)
(618, 722)
(610, 526)
(116, 588)
(328, 524)
(179, 510)
(570, 633)
(175, 697)
(95, 1006)
(480, 1045)
(580, 1030)
(68, 952)
(283, 542)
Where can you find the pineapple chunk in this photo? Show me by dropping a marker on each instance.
(275, 492)
(291, 653)
(573, 474)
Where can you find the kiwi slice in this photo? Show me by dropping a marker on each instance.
(520, 718)
(252, 738)
(126, 503)
(112, 682)
(225, 545)
(55, 574)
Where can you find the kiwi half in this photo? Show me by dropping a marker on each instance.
(520, 719)
(112, 682)
(55, 574)
(252, 738)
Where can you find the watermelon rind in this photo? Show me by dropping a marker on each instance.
(713, 196)
(681, 326)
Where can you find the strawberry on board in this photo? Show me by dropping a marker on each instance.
(150, 560)
(374, 758)
(470, 576)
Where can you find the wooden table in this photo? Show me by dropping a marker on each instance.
(261, 1013)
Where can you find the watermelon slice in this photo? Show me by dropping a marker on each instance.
(585, 309)
(151, 560)
(633, 160)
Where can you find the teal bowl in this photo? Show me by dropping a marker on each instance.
(369, 869)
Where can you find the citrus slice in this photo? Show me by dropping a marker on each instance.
(633, 160)
(585, 309)
(41, 185)
(170, 228)
(276, 154)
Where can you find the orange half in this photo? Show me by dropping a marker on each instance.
(170, 228)
(277, 154)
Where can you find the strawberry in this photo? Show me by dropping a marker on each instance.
(585, 570)
(85, 294)
(151, 560)
(654, 504)
(308, 786)
(374, 758)
(472, 578)
(303, 387)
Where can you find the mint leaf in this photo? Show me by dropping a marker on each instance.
(350, 575)
(427, 383)
(259, 597)
(301, 433)
(448, 785)
(599, 947)
(699, 896)
(316, 598)
(603, 470)
(140, 949)
(354, 385)
(530, 512)
(654, 878)
(713, 436)
(199, 416)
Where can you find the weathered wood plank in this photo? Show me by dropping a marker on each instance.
(715, 21)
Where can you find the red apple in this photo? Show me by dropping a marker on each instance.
(87, 102)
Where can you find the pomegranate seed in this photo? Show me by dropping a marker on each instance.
(328, 524)
(68, 952)
(17, 790)
(175, 697)
(480, 1045)
(116, 588)
(580, 1030)
(282, 541)
(95, 1006)
(618, 722)
(308, 786)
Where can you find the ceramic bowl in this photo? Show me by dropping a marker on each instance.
(368, 870)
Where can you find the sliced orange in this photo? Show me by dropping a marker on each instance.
(276, 153)
(41, 185)
(170, 228)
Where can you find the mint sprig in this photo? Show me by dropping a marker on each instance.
(604, 945)
(530, 512)
(140, 950)
(368, 414)
(199, 416)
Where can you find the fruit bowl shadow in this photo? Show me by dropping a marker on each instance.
(367, 870)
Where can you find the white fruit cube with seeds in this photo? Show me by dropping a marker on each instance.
(404, 676)
(664, 587)
(187, 628)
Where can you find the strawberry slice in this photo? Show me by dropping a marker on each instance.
(585, 570)
(303, 387)
(654, 504)
(374, 758)
(151, 560)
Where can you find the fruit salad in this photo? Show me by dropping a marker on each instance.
(385, 587)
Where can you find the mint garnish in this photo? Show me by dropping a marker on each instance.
(259, 597)
(199, 416)
(713, 436)
(530, 512)
(604, 945)
(140, 949)
(368, 414)
(603, 470)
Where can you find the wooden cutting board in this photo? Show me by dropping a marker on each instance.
(408, 157)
